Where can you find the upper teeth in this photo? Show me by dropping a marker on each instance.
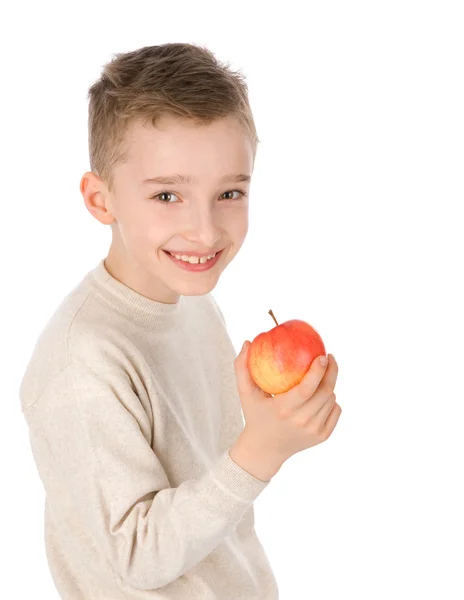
(194, 259)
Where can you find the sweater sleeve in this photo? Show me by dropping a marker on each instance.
(91, 436)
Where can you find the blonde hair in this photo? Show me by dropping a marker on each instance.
(180, 79)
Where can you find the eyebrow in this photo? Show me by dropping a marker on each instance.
(177, 179)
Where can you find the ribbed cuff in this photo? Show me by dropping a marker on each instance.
(229, 489)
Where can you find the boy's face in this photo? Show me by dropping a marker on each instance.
(204, 216)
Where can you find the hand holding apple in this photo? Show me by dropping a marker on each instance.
(276, 427)
(279, 358)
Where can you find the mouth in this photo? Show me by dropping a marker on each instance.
(206, 265)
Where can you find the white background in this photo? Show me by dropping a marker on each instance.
(355, 226)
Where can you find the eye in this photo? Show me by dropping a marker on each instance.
(163, 197)
(166, 197)
(239, 192)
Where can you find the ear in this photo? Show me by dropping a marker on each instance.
(97, 198)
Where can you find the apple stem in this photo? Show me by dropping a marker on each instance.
(272, 315)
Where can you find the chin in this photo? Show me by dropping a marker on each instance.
(196, 289)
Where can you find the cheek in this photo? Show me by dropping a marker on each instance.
(238, 224)
(156, 228)
(139, 226)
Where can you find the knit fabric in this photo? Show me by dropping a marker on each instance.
(132, 406)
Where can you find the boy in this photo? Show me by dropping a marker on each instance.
(133, 394)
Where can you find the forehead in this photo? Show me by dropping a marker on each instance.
(187, 146)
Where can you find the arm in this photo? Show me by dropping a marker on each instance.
(95, 441)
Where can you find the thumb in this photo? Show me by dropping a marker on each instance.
(245, 383)
(244, 380)
(241, 356)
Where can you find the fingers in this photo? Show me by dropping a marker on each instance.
(322, 423)
(312, 393)
(318, 378)
(324, 411)
(331, 422)
(331, 374)
(308, 385)
(316, 410)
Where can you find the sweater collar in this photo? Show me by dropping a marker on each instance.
(130, 303)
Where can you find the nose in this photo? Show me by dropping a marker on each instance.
(203, 229)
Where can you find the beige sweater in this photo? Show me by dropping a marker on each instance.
(132, 406)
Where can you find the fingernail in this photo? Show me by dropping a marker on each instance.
(323, 360)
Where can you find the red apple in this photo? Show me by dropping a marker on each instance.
(279, 358)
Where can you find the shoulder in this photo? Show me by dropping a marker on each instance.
(215, 307)
(79, 332)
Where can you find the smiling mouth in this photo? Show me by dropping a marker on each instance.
(193, 259)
